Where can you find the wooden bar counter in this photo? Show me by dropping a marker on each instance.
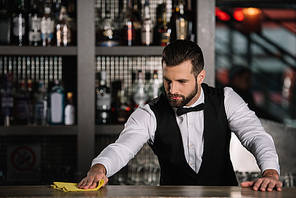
(145, 191)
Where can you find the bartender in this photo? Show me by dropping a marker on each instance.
(189, 129)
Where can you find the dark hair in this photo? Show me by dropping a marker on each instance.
(183, 50)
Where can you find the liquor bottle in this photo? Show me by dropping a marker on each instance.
(4, 24)
(121, 108)
(69, 110)
(128, 30)
(103, 101)
(41, 113)
(147, 26)
(34, 24)
(181, 22)
(64, 29)
(31, 101)
(57, 104)
(107, 30)
(7, 102)
(47, 24)
(56, 8)
(136, 19)
(163, 33)
(140, 95)
(19, 25)
(154, 85)
(22, 99)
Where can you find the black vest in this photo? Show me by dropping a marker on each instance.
(216, 167)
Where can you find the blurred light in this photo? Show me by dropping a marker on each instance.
(238, 15)
(252, 11)
(221, 15)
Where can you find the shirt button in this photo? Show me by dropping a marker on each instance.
(191, 164)
(191, 145)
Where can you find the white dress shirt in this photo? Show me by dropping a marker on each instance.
(141, 127)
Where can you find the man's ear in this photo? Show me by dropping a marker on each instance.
(201, 76)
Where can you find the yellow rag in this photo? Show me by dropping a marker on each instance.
(72, 187)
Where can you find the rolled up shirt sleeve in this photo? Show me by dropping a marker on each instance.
(249, 130)
(139, 128)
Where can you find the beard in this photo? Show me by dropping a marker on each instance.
(185, 99)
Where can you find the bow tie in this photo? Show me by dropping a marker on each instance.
(181, 110)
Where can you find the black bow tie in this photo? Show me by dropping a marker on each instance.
(181, 110)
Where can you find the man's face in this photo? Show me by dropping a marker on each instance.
(181, 86)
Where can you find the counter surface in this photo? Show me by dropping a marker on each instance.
(146, 191)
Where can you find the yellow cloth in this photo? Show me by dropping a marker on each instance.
(72, 187)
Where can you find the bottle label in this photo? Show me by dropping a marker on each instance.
(47, 26)
(104, 101)
(69, 115)
(146, 33)
(56, 103)
(18, 26)
(39, 110)
(7, 102)
(34, 36)
(36, 23)
(181, 28)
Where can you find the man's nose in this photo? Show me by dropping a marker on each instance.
(173, 88)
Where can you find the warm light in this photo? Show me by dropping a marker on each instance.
(252, 11)
(238, 15)
(223, 16)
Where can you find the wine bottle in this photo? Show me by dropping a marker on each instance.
(64, 28)
(108, 30)
(147, 26)
(19, 26)
(69, 110)
(140, 95)
(34, 24)
(4, 24)
(57, 104)
(103, 101)
(47, 24)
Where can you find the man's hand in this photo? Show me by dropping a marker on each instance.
(94, 175)
(269, 181)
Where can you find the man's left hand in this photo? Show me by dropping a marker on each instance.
(268, 182)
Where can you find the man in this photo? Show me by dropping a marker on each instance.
(192, 147)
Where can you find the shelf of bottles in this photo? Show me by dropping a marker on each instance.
(123, 83)
(32, 94)
(37, 44)
(130, 37)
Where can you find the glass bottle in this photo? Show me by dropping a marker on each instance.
(34, 24)
(7, 100)
(136, 19)
(57, 104)
(40, 115)
(128, 30)
(22, 106)
(30, 101)
(147, 26)
(69, 110)
(64, 29)
(108, 30)
(47, 24)
(154, 85)
(163, 29)
(121, 108)
(181, 22)
(103, 101)
(140, 95)
(19, 25)
(4, 24)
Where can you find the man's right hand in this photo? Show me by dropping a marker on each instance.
(94, 175)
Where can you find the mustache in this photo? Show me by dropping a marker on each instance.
(174, 95)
